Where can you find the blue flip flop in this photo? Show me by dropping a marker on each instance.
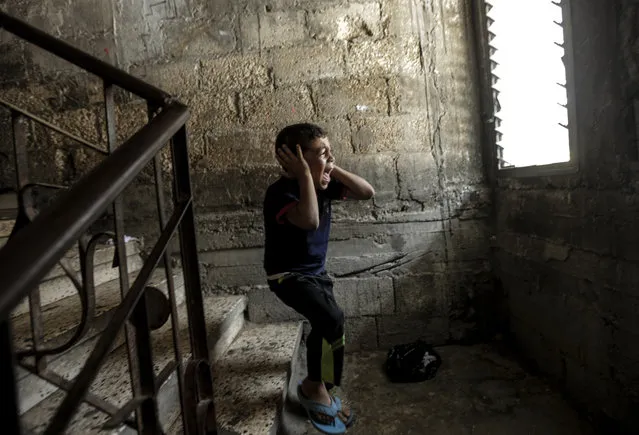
(336, 427)
(338, 408)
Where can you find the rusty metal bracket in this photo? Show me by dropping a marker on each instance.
(198, 398)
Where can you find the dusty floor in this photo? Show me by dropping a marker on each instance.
(476, 391)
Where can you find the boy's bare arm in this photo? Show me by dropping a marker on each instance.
(305, 214)
(358, 187)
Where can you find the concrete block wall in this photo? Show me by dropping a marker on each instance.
(568, 246)
(391, 80)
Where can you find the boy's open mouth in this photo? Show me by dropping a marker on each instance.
(326, 176)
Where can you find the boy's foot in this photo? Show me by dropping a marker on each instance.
(323, 417)
(317, 392)
(344, 412)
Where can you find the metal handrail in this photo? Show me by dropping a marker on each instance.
(37, 243)
(63, 132)
(107, 72)
(55, 230)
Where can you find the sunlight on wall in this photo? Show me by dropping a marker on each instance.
(531, 79)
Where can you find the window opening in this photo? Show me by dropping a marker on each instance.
(527, 54)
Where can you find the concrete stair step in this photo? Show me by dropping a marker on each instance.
(61, 318)
(88, 420)
(251, 378)
(293, 417)
(58, 287)
(6, 225)
(225, 317)
(32, 388)
(104, 255)
(177, 428)
(224, 321)
(34, 392)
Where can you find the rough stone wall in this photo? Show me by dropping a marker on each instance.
(568, 248)
(391, 80)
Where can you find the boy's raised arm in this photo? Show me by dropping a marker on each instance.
(358, 187)
(305, 214)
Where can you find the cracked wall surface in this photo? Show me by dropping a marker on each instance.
(568, 245)
(391, 80)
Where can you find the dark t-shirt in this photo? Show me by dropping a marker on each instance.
(289, 248)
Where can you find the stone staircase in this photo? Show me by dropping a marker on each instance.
(252, 362)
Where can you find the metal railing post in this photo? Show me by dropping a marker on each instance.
(118, 223)
(193, 289)
(20, 136)
(9, 411)
(168, 268)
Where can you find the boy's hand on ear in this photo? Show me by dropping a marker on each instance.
(294, 164)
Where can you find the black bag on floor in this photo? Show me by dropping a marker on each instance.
(413, 362)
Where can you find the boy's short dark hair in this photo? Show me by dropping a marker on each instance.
(299, 134)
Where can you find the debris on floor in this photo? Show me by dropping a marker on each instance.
(477, 390)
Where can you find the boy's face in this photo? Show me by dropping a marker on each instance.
(320, 161)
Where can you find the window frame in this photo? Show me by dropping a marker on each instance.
(483, 45)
